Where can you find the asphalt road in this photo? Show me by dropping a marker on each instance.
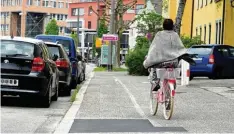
(23, 116)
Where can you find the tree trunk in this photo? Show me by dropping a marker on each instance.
(179, 16)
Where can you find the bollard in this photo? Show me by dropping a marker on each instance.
(185, 73)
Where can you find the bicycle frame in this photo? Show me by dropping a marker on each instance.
(161, 92)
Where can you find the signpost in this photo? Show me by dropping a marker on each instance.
(110, 37)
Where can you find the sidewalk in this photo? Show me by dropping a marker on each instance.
(113, 102)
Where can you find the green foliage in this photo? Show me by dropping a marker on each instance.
(74, 37)
(52, 28)
(135, 59)
(103, 29)
(149, 22)
(102, 69)
(188, 42)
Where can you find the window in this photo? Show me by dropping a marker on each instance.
(60, 29)
(198, 4)
(7, 27)
(200, 32)
(53, 4)
(205, 33)
(45, 3)
(209, 33)
(61, 17)
(220, 32)
(66, 5)
(75, 11)
(38, 2)
(196, 32)
(29, 2)
(89, 24)
(60, 5)
(139, 7)
(217, 31)
(223, 51)
(17, 47)
(231, 51)
(65, 17)
(90, 11)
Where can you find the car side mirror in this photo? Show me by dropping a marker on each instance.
(55, 57)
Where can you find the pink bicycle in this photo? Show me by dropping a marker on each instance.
(165, 95)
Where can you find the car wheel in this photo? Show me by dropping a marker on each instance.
(55, 97)
(46, 100)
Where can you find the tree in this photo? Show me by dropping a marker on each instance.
(52, 28)
(149, 23)
(102, 29)
(179, 15)
(188, 42)
(119, 25)
(74, 37)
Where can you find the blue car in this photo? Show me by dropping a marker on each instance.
(213, 61)
(70, 47)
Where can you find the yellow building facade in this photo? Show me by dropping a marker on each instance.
(213, 20)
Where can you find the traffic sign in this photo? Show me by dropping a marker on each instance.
(110, 37)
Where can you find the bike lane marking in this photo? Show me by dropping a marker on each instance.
(136, 105)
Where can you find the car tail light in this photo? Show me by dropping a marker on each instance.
(38, 64)
(62, 63)
(211, 59)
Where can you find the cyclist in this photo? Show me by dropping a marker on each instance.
(165, 48)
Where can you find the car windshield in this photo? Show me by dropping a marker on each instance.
(54, 50)
(200, 50)
(65, 43)
(16, 48)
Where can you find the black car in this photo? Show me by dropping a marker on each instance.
(28, 70)
(64, 66)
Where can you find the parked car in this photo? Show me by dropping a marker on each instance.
(28, 69)
(70, 47)
(63, 64)
(214, 61)
(82, 63)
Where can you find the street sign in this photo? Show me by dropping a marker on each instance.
(110, 37)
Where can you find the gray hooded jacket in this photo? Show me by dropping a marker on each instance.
(166, 46)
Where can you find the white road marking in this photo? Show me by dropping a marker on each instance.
(66, 124)
(136, 105)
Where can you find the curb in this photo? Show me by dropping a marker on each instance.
(66, 123)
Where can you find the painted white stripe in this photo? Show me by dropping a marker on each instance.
(136, 105)
(65, 125)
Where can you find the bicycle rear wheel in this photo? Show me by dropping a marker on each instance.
(168, 105)
(153, 101)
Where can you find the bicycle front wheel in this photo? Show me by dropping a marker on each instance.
(168, 105)
(153, 101)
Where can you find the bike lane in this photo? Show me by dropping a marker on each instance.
(118, 103)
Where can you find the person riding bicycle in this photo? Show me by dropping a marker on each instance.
(165, 48)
